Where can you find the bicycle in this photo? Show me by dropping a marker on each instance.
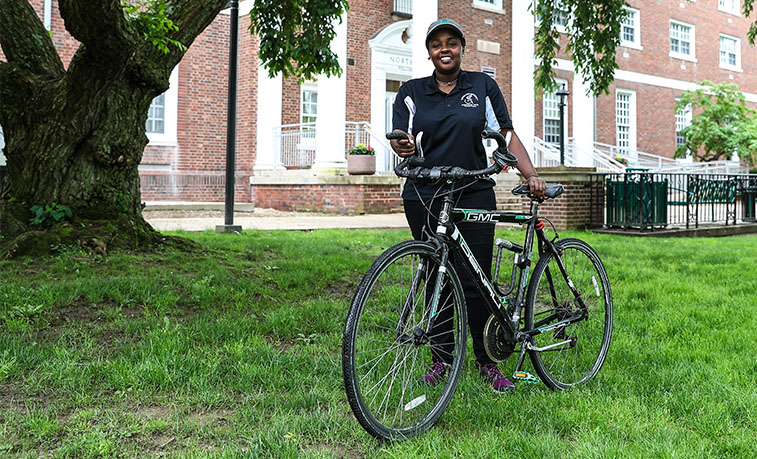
(410, 304)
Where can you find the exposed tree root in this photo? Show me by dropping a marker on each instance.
(119, 232)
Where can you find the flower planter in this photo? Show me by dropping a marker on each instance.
(361, 164)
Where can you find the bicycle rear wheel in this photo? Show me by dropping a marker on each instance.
(386, 350)
(571, 354)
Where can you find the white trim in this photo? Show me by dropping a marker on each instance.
(170, 115)
(391, 59)
(561, 83)
(685, 115)
(47, 14)
(308, 87)
(735, 10)
(737, 67)
(636, 44)
(523, 103)
(2, 145)
(632, 124)
(558, 27)
(486, 6)
(642, 78)
(692, 57)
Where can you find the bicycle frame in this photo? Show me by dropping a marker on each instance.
(494, 299)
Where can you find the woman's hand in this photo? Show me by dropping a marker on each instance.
(537, 186)
(403, 148)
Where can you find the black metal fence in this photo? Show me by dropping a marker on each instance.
(649, 200)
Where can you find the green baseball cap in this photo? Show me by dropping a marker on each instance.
(445, 24)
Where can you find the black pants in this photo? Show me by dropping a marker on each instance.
(480, 239)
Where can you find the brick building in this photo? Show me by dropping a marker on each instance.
(292, 137)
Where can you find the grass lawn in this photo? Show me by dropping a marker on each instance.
(235, 351)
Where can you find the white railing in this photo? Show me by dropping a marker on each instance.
(548, 155)
(404, 7)
(635, 158)
(656, 163)
(356, 133)
(710, 167)
(294, 145)
(386, 158)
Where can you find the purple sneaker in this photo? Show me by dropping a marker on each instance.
(436, 373)
(497, 381)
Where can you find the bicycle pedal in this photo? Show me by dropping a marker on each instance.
(525, 377)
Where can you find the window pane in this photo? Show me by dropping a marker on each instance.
(156, 115)
(623, 119)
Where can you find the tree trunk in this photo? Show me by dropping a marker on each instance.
(75, 136)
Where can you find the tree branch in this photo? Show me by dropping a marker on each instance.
(192, 17)
(25, 41)
(100, 25)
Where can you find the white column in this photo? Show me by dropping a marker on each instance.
(332, 108)
(424, 13)
(522, 105)
(269, 116)
(2, 145)
(583, 120)
(378, 115)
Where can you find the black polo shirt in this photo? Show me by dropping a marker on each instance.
(451, 123)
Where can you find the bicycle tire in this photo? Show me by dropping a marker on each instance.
(580, 360)
(382, 371)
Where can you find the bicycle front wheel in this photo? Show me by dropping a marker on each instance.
(394, 333)
(568, 355)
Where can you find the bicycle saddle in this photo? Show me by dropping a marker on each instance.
(553, 190)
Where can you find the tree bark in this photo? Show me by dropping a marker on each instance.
(75, 136)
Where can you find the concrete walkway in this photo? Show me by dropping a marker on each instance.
(205, 216)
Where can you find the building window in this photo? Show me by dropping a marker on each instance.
(730, 6)
(551, 112)
(491, 71)
(156, 116)
(625, 119)
(560, 17)
(683, 119)
(488, 4)
(730, 52)
(682, 44)
(309, 107)
(161, 125)
(630, 29)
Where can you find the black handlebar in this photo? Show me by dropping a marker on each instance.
(412, 167)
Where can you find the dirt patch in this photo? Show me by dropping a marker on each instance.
(82, 311)
(218, 417)
(153, 412)
(12, 397)
(335, 450)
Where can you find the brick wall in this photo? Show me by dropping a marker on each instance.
(473, 21)
(341, 199)
(655, 105)
(365, 19)
(579, 206)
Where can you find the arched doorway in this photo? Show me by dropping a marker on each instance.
(391, 65)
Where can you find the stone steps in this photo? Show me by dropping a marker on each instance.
(506, 181)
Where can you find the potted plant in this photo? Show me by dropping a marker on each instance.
(361, 160)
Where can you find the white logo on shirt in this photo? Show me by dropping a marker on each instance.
(470, 100)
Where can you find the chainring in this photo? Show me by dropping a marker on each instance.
(497, 343)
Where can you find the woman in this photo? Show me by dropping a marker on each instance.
(451, 108)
